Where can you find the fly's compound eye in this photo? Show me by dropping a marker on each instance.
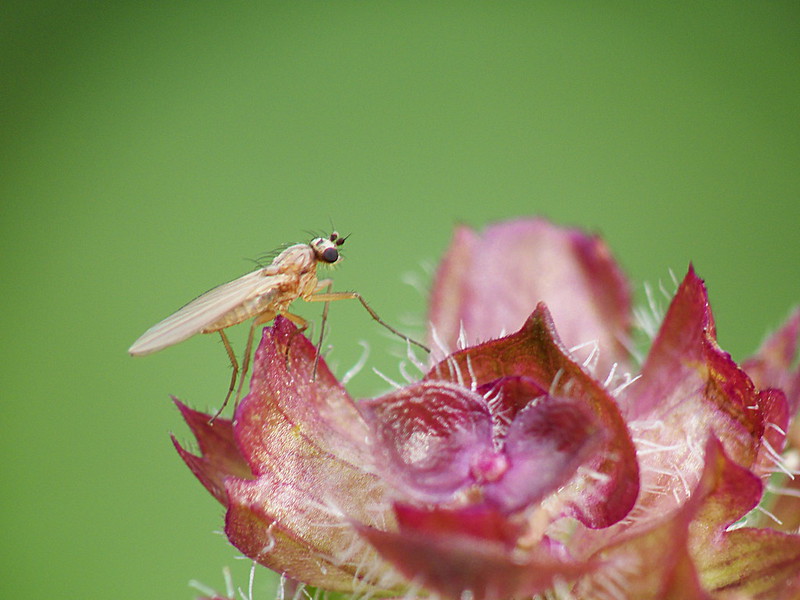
(330, 255)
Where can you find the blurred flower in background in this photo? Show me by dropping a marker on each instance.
(537, 456)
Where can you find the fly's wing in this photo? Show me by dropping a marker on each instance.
(205, 310)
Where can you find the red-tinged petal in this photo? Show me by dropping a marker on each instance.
(292, 530)
(488, 284)
(687, 375)
(607, 485)
(428, 438)
(725, 493)
(305, 442)
(290, 414)
(761, 564)
(754, 563)
(219, 457)
(545, 445)
(656, 561)
(689, 387)
(478, 521)
(655, 565)
(507, 396)
(775, 411)
(771, 367)
(460, 565)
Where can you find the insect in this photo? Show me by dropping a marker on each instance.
(260, 295)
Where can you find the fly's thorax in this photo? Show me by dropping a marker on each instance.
(297, 259)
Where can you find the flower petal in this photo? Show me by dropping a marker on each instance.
(488, 284)
(687, 373)
(655, 565)
(289, 403)
(454, 563)
(545, 444)
(689, 387)
(428, 437)
(290, 529)
(607, 485)
(292, 431)
(477, 521)
(754, 563)
(657, 561)
(219, 457)
(771, 367)
(304, 440)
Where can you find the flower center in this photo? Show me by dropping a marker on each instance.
(489, 467)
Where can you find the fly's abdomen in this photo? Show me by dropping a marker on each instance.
(266, 303)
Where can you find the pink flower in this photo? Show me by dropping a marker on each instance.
(530, 463)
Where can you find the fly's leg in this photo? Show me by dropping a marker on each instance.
(302, 325)
(259, 320)
(326, 283)
(334, 296)
(235, 365)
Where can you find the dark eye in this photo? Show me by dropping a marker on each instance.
(330, 255)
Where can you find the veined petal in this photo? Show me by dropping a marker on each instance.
(437, 556)
(481, 521)
(489, 283)
(689, 387)
(295, 531)
(658, 561)
(287, 402)
(219, 457)
(606, 486)
(305, 443)
(545, 445)
(428, 437)
(761, 564)
(306, 541)
(771, 367)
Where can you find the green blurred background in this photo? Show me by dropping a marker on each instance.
(148, 148)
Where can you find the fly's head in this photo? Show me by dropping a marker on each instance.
(326, 249)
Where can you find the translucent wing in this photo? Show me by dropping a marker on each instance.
(205, 310)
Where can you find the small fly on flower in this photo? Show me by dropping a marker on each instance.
(261, 295)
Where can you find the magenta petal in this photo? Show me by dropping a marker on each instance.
(219, 457)
(456, 563)
(305, 442)
(428, 436)
(479, 521)
(489, 283)
(608, 483)
(657, 560)
(295, 528)
(689, 386)
(775, 412)
(725, 493)
(305, 433)
(771, 367)
(745, 562)
(289, 412)
(545, 444)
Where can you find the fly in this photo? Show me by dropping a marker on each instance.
(260, 295)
